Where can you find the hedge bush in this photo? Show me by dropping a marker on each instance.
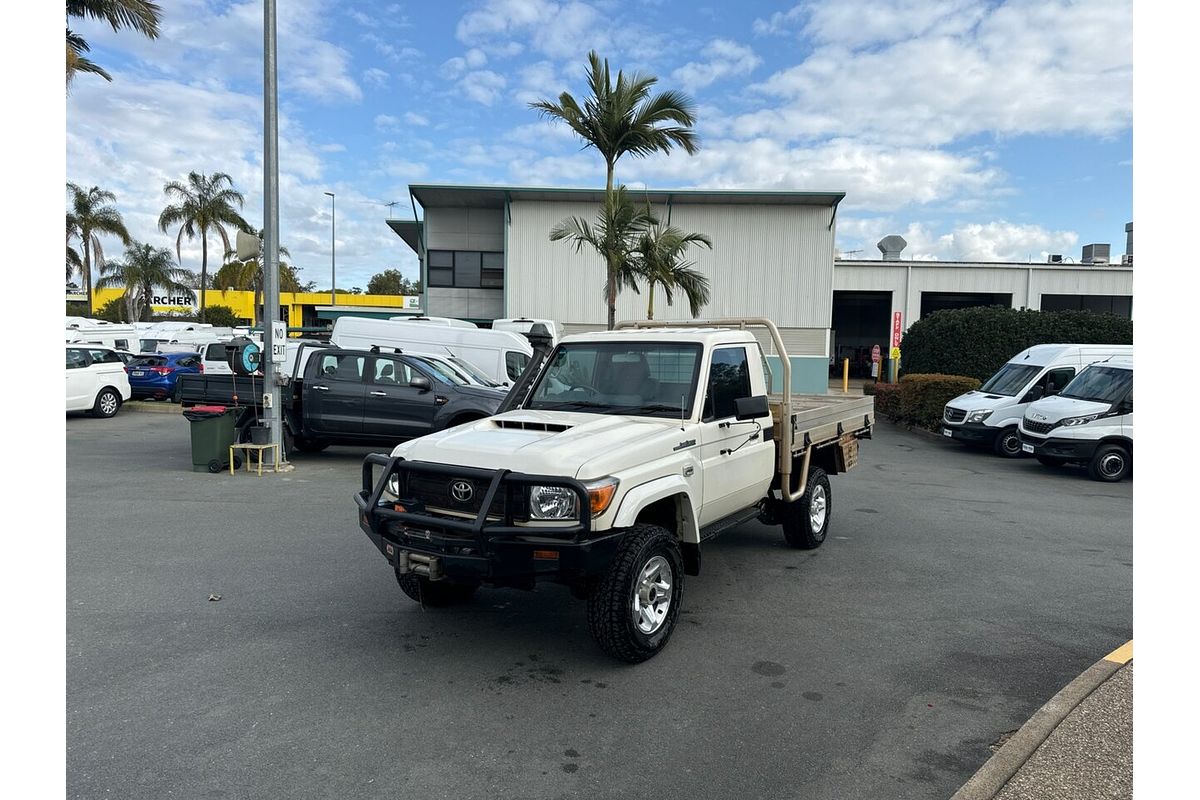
(887, 400)
(924, 397)
(976, 342)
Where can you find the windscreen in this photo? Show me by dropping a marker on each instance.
(472, 372)
(654, 379)
(442, 370)
(1011, 379)
(1099, 384)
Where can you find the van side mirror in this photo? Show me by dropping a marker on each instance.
(1033, 394)
(1051, 388)
(419, 382)
(747, 408)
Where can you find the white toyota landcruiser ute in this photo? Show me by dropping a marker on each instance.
(619, 455)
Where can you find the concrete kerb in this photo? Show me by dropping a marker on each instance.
(152, 406)
(1008, 760)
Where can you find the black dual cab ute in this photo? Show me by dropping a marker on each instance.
(356, 397)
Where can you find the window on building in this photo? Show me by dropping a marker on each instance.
(1121, 305)
(465, 269)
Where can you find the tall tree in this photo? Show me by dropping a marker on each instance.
(614, 236)
(142, 16)
(624, 118)
(90, 216)
(247, 275)
(205, 203)
(74, 261)
(391, 281)
(144, 269)
(661, 249)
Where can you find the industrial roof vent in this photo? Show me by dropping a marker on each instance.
(1054, 258)
(891, 246)
(1095, 253)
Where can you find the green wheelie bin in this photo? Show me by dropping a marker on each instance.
(213, 431)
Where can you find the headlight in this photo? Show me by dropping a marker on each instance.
(559, 502)
(393, 485)
(552, 502)
(1072, 421)
(979, 416)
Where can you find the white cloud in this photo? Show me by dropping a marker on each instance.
(386, 122)
(483, 87)
(780, 22)
(475, 58)
(225, 45)
(1029, 66)
(858, 23)
(558, 30)
(375, 77)
(998, 240)
(873, 176)
(725, 59)
(415, 119)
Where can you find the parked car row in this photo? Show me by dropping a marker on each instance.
(1061, 403)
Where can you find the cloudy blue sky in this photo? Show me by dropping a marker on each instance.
(977, 130)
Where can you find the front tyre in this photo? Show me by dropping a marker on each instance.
(806, 521)
(1110, 463)
(434, 594)
(1008, 443)
(632, 610)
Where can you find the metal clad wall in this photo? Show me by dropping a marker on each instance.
(464, 229)
(773, 261)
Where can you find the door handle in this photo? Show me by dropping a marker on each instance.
(321, 388)
(379, 394)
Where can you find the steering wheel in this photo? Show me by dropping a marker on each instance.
(591, 391)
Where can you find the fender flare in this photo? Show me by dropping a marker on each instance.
(643, 495)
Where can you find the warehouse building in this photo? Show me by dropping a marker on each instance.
(485, 253)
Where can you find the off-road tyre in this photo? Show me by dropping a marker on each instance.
(647, 558)
(434, 594)
(108, 403)
(1051, 461)
(806, 521)
(306, 445)
(1007, 443)
(1110, 463)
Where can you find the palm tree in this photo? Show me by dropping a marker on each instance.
(614, 236)
(74, 261)
(89, 217)
(624, 118)
(143, 269)
(205, 203)
(660, 251)
(141, 15)
(247, 275)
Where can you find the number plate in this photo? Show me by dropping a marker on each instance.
(137, 373)
(847, 452)
(947, 432)
(1026, 448)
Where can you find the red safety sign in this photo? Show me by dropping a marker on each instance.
(896, 329)
(875, 356)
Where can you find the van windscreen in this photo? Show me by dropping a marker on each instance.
(1099, 384)
(1011, 379)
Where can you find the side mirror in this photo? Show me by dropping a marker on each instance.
(747, 408)
(1034, 394)
(419, 382)
(1051, 389)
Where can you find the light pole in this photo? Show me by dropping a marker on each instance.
(333, 246)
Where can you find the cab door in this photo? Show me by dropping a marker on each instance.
(396, 410)
(738, 460)
(334, 395)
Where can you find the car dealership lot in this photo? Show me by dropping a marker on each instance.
(956, 593)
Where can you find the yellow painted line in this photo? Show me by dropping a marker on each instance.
(1122, 655)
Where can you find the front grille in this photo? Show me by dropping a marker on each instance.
(955, 414)
(434, 491)
(1040, 428)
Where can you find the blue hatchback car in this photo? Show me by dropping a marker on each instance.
(157, 374)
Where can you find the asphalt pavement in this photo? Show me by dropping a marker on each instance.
(237, 636)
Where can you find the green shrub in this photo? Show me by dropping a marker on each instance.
(868, 388)
(887, 400)
(922, 398)
(113, 310)
(976, 342)
(222, 317)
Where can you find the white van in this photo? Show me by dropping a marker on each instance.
(115, 336)
(991, 414)
(1090, 421)
(522, 325)
(96, 380)
(449, 322)
(500, 355)
(166, 337)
